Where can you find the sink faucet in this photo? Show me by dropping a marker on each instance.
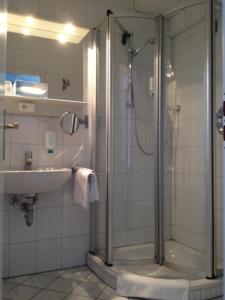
(28, 160)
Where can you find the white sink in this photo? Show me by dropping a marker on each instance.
(41, 180)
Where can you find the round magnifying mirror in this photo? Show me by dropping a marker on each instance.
(69, 122)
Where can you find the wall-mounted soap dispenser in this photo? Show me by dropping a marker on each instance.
(50, 141)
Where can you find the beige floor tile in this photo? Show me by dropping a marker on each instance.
(16, 280)
(89, 289)
(76, 297)
(22, 293)
(7, 287)
(76, 273)
(48, 295)
(39, 281)
(110, 294)
(62, 285)
(54, 274)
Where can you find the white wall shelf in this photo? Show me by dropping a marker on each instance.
(43, 107)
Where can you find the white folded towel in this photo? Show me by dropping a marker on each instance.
(132, 285)
(85, 187)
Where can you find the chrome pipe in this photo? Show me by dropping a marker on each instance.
(210, 138)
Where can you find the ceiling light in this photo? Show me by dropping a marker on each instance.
(69, 28)
(30, 21)
(45, 29)
(25, 31)
(3, 23)
(3, 18)
(62, 38)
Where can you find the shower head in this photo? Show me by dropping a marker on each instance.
(135, 52)
(125, 36)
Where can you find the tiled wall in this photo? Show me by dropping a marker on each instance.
(187, 161)
(59, 236)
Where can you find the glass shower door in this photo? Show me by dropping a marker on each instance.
(185, 105)
(219, 140)
(125, 216)
(101, 226)
(133, 119)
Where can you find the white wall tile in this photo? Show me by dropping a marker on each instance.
(75, 221)
(27, 132)
(18, 155)
(48, 255)
(18, 230)
(73, 251)
(134, 193)
(182, 214)
(120, 238)
(68, 198)
(74, 155)
(120, 188)
(5, 261)
(5, 215)
(50, 160)
(77, 139)
(49, 124)
(49, 222)
(136, 236)
(120, 216)
(52, 199)
(7, 161)
(21, 259)
(181, 51)
(136, 214)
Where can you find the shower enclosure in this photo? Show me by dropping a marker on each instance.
(157, 151)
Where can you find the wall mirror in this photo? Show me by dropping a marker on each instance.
(50, 46)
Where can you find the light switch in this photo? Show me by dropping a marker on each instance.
(27, 107)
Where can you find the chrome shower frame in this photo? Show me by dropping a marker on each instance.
(211, 271)
(159, 100)
(210, 139)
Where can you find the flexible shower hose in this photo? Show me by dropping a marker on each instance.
(133, 105)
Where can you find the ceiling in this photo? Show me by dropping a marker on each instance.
(154, 7)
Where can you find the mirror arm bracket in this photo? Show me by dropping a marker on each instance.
(84, 121)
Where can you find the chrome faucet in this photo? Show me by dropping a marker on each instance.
(28, 160)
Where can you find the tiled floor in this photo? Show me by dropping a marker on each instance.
(71, 284)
